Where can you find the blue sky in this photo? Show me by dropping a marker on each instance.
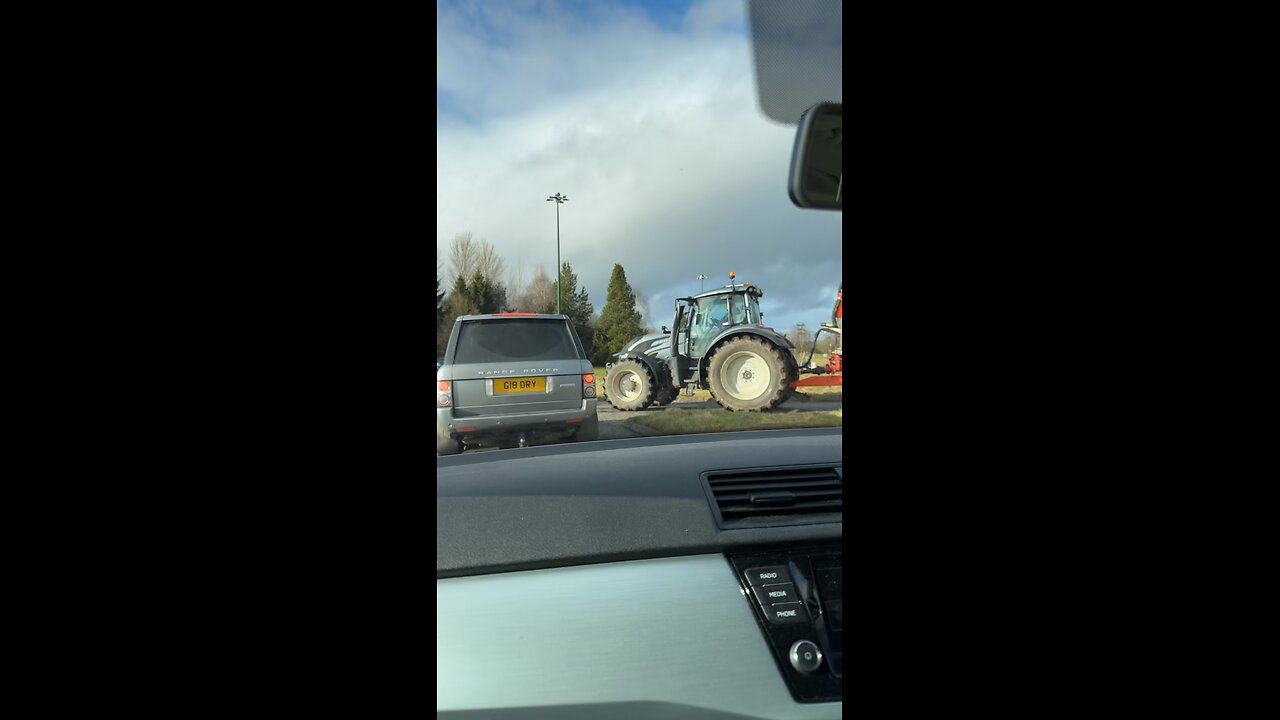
(645, 115)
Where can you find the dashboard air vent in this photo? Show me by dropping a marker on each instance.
(767, 497)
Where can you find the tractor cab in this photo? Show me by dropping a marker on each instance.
(702, 318)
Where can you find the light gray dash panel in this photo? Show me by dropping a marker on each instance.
(654, 633)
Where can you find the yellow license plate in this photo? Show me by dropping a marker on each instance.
(520, 385)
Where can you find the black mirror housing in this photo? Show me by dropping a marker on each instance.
(817, 160)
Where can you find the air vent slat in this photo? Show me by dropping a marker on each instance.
(767, 477)
(831, 506)
(774, 485)
(727, 498)
(739, 477)
(777, 496)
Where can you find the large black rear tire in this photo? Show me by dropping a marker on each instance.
(749, 374)
(667, 391)
(630, 385)
(666, 396)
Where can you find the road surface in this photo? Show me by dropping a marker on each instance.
(614, 425)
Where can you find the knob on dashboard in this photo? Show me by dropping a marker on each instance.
(805, 656)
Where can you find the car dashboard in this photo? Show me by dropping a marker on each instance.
(694, 576)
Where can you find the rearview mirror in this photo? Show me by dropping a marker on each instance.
(817, 170)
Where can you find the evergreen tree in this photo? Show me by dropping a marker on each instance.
(575, 303)
(440, 311)
(439, 299)
(619, 321)
(457, 303)
(485, 295)
(460, 298)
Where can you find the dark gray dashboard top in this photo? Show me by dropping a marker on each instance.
(608, 500)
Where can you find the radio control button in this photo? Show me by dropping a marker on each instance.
(769, 594)
(767, 575)
(786, 613)
(805, 656)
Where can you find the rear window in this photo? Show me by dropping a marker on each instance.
(486, 341)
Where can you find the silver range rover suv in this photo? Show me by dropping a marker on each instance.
(513, 378)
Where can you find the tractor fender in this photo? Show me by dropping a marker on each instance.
(770, 336)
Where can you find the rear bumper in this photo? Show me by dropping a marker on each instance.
(447, 426)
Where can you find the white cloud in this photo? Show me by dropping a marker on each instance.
(714, 15)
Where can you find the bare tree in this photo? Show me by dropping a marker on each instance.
(463, 255)
(515, 283)
(489, 261)
(539, 295)
(469, 256)
(802, 339)
(825, 344)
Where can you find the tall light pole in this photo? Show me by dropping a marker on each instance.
(700, 278)
(560, 199)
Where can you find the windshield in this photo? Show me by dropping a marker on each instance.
(610, 161)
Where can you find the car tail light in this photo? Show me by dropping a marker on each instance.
(589, 385)
(444, 395)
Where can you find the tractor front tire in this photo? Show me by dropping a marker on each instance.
(749, 374)
(630, 385)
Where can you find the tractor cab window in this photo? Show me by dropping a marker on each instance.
(737, 310)
(709, 319)
(717, 313)
(753, 310)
